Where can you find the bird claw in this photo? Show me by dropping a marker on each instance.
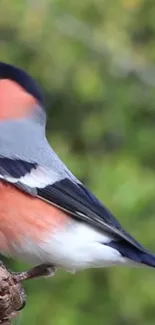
(45, 270)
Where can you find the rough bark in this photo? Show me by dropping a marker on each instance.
(12, 295)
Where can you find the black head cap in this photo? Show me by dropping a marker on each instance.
(8, 71)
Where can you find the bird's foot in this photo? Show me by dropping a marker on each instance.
(45, 270)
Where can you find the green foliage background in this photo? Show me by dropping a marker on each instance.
(95, 61)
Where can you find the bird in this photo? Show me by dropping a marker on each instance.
(48, 217)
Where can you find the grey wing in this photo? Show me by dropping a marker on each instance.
(55, 184)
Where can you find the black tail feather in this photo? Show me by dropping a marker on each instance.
(133, 253)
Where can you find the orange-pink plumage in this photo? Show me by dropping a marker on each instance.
(12, 98)
(22, 215)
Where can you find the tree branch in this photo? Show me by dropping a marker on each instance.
(12, 295)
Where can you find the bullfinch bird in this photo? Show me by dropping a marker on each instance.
(47, 216)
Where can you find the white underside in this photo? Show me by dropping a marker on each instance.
(77, 247)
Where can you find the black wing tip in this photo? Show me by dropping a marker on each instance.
(139, 255)
(8, 71)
